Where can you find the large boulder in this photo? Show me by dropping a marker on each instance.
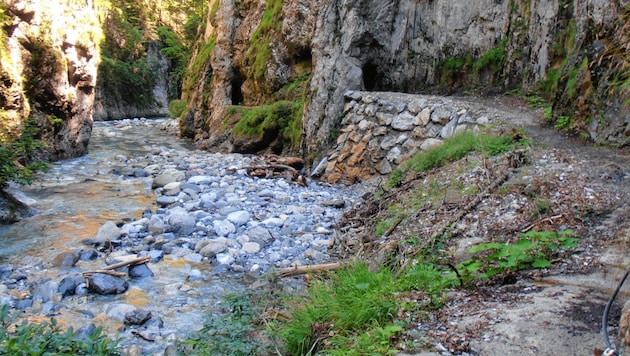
(12, 209)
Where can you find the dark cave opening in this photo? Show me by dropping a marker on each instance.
(237, 93)
(370, 77)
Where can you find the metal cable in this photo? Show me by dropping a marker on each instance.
(611, 349)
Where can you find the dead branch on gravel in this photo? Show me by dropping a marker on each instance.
(297, 270)
(548, 219)
(272, 166)
(514, 159)
(109, 269)
(104, 271)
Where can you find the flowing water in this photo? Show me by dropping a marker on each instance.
(74, 199)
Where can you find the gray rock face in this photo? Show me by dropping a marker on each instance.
(61, 81)
(101, 283)
(387, 45)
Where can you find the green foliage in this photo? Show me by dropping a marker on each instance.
(176, 108)
(563, 123)
(49, 339)
(492, 59)
(199, 62)
(354, 298)
(178, 54)
(532, 250)
(548, 113)
(16, 156)
(259, 51)
(231, 332)
(353, 312)
(454, 65)
(282, 116)
(428, 278)
(128, 27)
(124, 68)
(453, 149)
(571, 88)
(134, 80)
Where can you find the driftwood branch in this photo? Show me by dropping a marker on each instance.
(132, 262)
(312, 233)
(108, 269)
(104, 271)
(142, 336)
(393, 227)
(294, 271)
(548, 219)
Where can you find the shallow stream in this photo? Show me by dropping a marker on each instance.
(73, 200)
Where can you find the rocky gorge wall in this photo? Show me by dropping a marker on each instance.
(48, 71)
(571, 53)
(109, 104)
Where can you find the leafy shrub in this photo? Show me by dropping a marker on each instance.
(49, 339)
(532, 250)
(16, 156)
(282, 116)
(176, 108)
(492, 59)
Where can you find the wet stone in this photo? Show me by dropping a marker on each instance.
(88, 255)
(66, 259)
(137, 317)
(102, 283)
(140, 271)
(68, 285)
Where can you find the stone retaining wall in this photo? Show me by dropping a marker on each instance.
(380, 130)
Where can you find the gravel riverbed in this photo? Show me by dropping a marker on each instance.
(212, 229)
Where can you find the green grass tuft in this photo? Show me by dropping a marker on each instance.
(453, 149)
(282, 116)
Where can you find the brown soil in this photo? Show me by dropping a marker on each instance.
(559, 183)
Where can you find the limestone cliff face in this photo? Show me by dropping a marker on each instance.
(49, 71)
(573, 53)
(415, 46)
(110, 104)
(229, 68)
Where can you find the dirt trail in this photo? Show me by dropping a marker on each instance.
(557, 310)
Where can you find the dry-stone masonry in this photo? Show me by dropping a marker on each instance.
(380, 130)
